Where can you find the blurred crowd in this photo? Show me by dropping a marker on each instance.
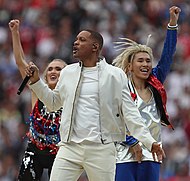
(48, 28)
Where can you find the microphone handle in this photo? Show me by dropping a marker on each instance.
(24, 82)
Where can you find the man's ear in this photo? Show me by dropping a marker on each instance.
(95, 46)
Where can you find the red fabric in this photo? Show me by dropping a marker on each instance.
(152, 80)
(42, 125)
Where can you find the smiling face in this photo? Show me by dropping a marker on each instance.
(52, 73)
(141, 66)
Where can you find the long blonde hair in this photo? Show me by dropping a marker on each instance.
(130, 49)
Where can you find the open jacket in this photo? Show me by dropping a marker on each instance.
(157, 78)
(117, 109)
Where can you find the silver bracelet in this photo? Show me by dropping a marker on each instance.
(174, 26)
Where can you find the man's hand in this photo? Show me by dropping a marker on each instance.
(138, 152)
(157, 152)
(33, 72)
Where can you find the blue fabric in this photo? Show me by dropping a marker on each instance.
(163, 67)
(130, 140)
(133, 171)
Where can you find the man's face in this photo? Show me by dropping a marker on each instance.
(83, 46)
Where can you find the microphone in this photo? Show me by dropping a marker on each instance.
(22, 86)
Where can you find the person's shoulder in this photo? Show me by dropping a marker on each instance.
(116, 69)
(111, 66)
(72, 65)
(69, 69)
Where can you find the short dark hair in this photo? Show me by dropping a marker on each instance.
(97, 36)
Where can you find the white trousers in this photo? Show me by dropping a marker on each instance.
(98, 160)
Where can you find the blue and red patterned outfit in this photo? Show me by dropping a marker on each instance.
(42, 147)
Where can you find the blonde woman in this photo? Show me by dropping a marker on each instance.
(43, 134)
(147, 91)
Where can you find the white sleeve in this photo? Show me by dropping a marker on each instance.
(50, 98)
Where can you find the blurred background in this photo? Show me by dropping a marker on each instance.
(48, 29)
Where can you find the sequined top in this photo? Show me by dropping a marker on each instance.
(44, 128)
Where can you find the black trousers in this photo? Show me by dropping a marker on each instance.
(34, 162)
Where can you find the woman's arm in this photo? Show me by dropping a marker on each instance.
(163, 67)
(18, 52)
(17, 47)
